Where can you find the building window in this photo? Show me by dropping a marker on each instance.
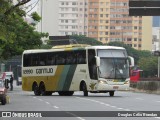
(101, 39)
(129, 39)
(135, 39)
(135, 27)
(66, 21)
(74, 3)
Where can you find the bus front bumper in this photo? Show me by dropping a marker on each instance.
(113, 87)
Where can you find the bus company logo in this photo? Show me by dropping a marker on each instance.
(6, 114)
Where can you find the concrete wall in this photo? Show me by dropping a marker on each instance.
(147, 86)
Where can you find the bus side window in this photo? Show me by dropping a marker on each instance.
(69, 58)
(81, 57)
(42, 59)
(51, 59)
(60, 59)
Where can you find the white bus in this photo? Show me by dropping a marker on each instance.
(68, 68)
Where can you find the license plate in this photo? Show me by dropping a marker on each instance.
(115, 87)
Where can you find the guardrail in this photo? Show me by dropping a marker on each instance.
(149, 85)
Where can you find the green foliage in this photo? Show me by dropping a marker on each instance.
(143, 59)
(149, 66)
(16, 35)
(82, 39)
(136, 54)
(36, 17)
(46, 46)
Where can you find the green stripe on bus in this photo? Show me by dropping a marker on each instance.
(69, 77)
(63, 76)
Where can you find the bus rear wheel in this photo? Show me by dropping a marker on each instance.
(36, 90)
(66, 93)
(42, 89)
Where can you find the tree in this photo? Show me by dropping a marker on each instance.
(149, 66)
(16, 35)
(82, 39)
(143, 59)
(136, 54)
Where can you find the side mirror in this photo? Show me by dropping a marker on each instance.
(97, 61)
(131, 59)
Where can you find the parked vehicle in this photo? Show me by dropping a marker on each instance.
(135, 75)
(3, 91)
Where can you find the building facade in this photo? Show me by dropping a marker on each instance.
(104, 20)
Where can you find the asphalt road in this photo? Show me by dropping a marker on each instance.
(122, 101)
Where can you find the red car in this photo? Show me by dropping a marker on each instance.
(3, 93)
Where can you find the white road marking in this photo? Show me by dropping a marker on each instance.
(56, 107)
(157, 117)
(139, 99)
(157, 101)
(75, 116)
(34, 97)
(40, 99)
(47, 103)
(104, 104)
(127, 109)
(80, 118)
(113, 106)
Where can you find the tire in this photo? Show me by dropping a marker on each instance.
(84, 89)
(70, 93)
(49, 93)
(111, 93)
(42, 89)
(61, 93)
(4, 100)
(66, 93)
(36, 90)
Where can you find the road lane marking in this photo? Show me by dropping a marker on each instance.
(34, 97)
(47, 103)
(104, 104)
(139, 99)
(157, 117)
(75, 116)
(157, 101)
(40, 99)
(56, 107)
(113, 106)
(127, 109)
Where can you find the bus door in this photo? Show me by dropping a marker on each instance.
(92, 66)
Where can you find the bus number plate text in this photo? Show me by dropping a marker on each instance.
(115, 87)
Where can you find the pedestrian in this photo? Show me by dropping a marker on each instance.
(11, 83)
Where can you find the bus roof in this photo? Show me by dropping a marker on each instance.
(71, 47)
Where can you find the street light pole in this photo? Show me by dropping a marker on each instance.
(159, 51)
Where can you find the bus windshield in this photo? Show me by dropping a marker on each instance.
(114, 68)
(114, 64)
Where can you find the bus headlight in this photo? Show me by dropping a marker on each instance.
(126, 82)
(102, 82)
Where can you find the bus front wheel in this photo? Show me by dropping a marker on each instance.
(111, 93)
(84, 89)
